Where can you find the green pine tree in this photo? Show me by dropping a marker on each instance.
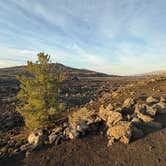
(39, 93)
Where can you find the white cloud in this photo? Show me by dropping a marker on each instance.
(82, 24)
(9, 52)
(12, 56)
(6, 63)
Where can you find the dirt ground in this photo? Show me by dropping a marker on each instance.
(92, 150)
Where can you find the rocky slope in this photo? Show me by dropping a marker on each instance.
(103, 115)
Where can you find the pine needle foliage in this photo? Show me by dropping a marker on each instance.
(39, 92)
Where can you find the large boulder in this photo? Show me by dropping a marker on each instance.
(160, 107)
(77, 129)
(52, 138)
(144, 118)
(136, 120)
(82, 115)
(82, 127)
(105, 112)
(37, 138)
(140, 108)
(73, 133)
(55, 139)
(66, 132)
(57, 130)
(128, 103)
(145, 109)
(162, 99)
(121, 132)
(114, 118)
(80, 122)
(151, 100)
(152, 111)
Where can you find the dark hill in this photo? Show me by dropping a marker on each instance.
(69, 71)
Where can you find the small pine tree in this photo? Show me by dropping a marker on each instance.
(39, 93)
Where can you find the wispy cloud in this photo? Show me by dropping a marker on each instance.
(122, 37)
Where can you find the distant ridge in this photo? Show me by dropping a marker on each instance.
(69, 71)
(153, 73)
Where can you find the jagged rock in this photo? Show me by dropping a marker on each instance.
(55, 139)
(135, 119)
(145, 109)
(105, 112)
(81, 116)
(65, 125)
(58, 139)
(66, 132)
(82, 127)
(110, 107)
(121, 132)
(160, 107)
(162, 99)
(97, 120)
(115, 94)
(151, 100)
(4, 149)
(114, 118)
(37, 138)
(106, 96)
(152, 111)
(111, 141)
(152, 80)
(118, 109)
(128, 103)
(52, 137)
(80, 121)
(128, 117)
(57, 130)
(27, 154)
(144, 118)
(140, 108)
(73, 134)
(25, 147)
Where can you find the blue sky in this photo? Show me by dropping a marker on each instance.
(112, 36)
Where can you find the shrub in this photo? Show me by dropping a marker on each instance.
(39, 92)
